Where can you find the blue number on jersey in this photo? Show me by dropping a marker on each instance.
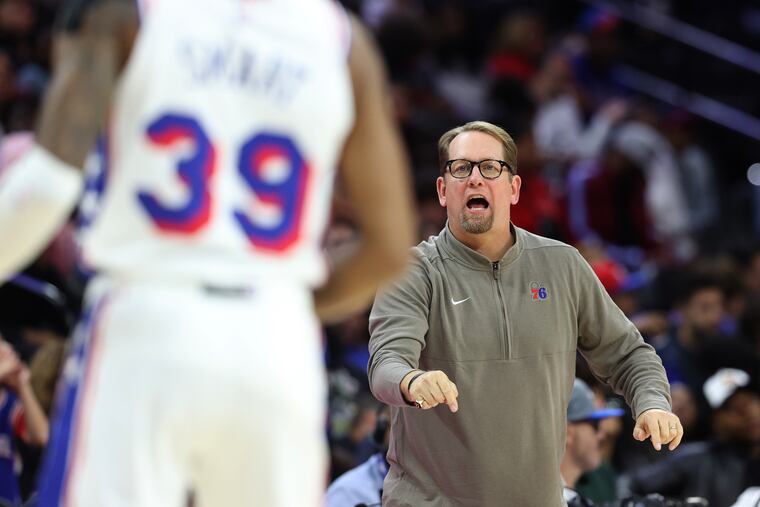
(287, 195)
(195, 171)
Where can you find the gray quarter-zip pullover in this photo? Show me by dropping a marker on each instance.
(506, 334)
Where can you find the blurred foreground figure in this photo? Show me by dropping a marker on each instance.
(196, 367)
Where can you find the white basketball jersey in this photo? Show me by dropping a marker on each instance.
(226, 128)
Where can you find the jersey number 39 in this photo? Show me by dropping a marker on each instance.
(197, 169)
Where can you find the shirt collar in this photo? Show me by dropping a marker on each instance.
(469, 257)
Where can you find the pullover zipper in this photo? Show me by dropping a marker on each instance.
(505, 352)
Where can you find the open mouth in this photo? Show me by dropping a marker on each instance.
(477, 202)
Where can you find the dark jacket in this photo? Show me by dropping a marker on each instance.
(716, 471)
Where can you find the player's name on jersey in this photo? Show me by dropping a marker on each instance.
(273, 75)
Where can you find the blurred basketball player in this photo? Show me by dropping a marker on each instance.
(197, 365)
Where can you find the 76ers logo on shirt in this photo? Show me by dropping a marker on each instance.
(538, 292)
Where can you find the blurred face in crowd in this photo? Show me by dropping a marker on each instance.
(704, 309)
(555, 77)
(684, 405)
(582, 445)
(16, 16)
(476, 205)
(752, 273)
(7, 77)
(739, 418)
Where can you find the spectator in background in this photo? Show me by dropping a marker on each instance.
(750, 324)
(751, 269)
(600, 484)
(750, 498)
(432, 216)
(364, 484)
(347, 345)
(7, 82)
(405, 38)
(518, 48)
(583, 439)
(540, 210)
(595, 66)
(664, 197)
(696, 172)
(722, 468)
(353, 420)
(684, 353)
(625, 289)
(560, 127)
(607, 203)
(20, 416)
(352, 410)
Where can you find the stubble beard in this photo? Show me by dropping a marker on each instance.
(476, 224)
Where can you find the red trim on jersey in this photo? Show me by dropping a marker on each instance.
(81, 421)
(18, 421)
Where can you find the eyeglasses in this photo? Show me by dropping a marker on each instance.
(490, 169)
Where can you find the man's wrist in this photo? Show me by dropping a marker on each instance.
(405, 383)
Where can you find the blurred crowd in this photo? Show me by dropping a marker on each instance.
(635, 185)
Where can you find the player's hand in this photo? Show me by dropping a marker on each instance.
(661, 426)
(433, 388)
(18, 377)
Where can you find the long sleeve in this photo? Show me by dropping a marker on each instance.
(398, 324)
(614, 348)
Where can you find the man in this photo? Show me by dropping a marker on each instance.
(725, 466)
(197, 365)
(487, 322)
(582, 442)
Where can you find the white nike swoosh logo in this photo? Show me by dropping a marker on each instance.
(458, 302)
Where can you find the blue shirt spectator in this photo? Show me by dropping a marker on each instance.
(361, 485)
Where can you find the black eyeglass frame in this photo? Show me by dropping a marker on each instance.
(473, 164)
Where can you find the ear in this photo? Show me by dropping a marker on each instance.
(516, 184)
(570, 435)
(440, 186)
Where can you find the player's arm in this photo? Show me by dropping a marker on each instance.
(38, 193)
(375, 173)
(92, 43)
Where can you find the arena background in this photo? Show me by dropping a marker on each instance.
(572, 81)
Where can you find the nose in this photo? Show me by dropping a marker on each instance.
(475, 178)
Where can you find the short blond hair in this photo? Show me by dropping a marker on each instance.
(510, 148)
